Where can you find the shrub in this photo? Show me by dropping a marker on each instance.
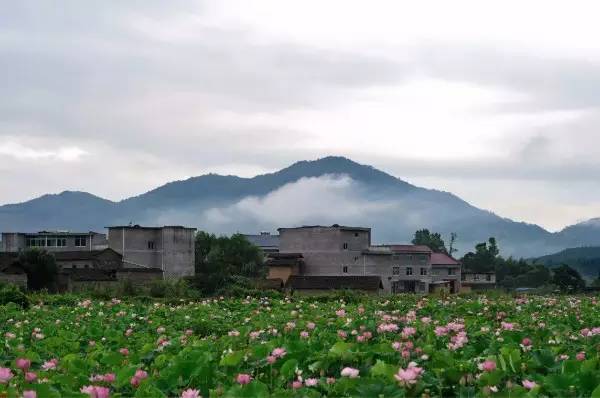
(10, 293)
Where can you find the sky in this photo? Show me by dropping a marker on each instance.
(496, 101)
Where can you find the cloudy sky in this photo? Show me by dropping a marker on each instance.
(498, 102)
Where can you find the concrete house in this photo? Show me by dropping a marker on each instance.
(169, 248)
(347, 251)
(403, 268)
(446, 272)
(53, 241)
(267, 242)
(477, 281)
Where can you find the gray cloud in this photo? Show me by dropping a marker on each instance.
(154, 91)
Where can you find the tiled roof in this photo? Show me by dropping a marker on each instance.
(141, 270)
(410, 249)
(322, 282)
(334, 226)
(81, 254)
(442, 259)
(89, 275)
(263, 240)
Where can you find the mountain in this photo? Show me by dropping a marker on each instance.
(586, 260)
(324, 191)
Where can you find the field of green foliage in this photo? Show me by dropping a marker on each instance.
(306, 347)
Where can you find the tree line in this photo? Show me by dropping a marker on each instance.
(510, 272)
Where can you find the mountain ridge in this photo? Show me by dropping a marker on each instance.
(200, 199)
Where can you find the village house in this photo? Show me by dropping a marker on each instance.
(445, 272)
(267, 242)
(53, 241)
(341, 251)
(477, 281)
(169, 248)
(133, 253)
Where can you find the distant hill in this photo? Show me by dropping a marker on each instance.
(584, 259)
(324, 191)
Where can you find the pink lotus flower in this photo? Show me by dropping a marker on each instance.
(30, 377)
(96, 391)
(526, 342)
(29, 394)
(311, 382)
(110, 378)
(580, 356)
(189, 393)
(51, 364)
(23, 363)
(304, 334)
(271, 359)
(243, 378)
(507, 326)
(341, 313)
(124, 351)
(342, 334)
(128, 332)
(278, 352)
(441, 331)
(410, 375)
(138, 377)
(361, 310)
(160, 330)
(330, 380)
(10, 335)
(296, 384)
(530, 385)
(408, 331)
(311, 325)
(350, 372)
(458, 341)
(233, 333)
(487, 366)
(5, 375)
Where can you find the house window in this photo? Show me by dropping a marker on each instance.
(151, 245)
(355, 258)
(345, 246)
(409, 271)
(356, 234)
(80, 241)
(488, 278)
(395, 270)
(451, 271)
(476, 277)
(410, 257)
(61, 242)
(74, 266)
(345, 269)
(423, 271)
(51, 242)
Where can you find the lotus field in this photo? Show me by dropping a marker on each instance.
(393, 346)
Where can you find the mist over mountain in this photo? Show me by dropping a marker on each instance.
(325, 191)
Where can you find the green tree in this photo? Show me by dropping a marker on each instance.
(40, 267)
(484, 258)
(432, 240)
(567, 279)
(222, 259)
